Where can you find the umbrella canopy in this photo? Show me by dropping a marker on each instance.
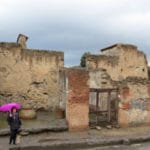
(7, 107)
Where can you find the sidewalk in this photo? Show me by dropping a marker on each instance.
(73, 140)
(36, 130)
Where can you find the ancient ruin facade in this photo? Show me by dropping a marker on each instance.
(29, 76)
(122, 67)
(115, 84)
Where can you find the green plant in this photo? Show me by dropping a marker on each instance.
(83, 59)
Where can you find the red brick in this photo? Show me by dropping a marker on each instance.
(78, 100)
(125, 93)
(126, 106)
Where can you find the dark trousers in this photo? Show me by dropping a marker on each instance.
(13, 135)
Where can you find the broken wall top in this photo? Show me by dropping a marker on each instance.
(31, 55)
(119, 45)
(120, 61)
(120, 48)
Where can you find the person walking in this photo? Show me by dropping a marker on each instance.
(14, 123)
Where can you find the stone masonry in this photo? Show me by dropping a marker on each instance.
(38, 79)
(29, 76)
(134, 107)
(120, 61)
(149, 72)
(124, 67)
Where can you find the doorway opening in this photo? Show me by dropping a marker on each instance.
(103, 106)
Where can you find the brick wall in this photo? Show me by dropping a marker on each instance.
(77, 111)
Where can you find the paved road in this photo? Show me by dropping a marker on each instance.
(140, 146)
(55, 139)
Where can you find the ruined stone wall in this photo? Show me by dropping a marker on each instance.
(28, 76)
(149, 72)
(116, 50)
(134, 107)
(77, 112)
(99, 79)
(120, 61)
(134, 104)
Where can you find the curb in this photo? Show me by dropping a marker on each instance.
(86, 143)
(66, 145)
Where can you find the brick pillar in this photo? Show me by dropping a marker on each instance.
(124, 106)
(77, 110)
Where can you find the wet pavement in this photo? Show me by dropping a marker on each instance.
(90, 140)
(140, 146)
(118, 139)
(43, 120)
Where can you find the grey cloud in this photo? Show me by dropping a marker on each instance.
(76, 26)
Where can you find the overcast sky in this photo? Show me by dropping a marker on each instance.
(76, 26)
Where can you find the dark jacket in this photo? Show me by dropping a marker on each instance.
(14, 121)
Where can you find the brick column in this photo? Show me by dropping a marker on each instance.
(124, 106)
(77, 111)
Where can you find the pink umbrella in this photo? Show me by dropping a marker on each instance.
(8, 106)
